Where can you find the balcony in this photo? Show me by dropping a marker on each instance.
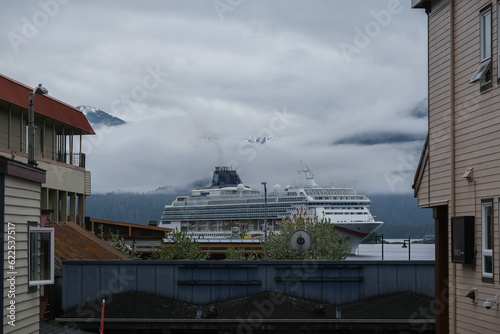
(75, 159)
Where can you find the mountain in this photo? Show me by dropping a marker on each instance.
(401, 216)
(258, 140)
(98, 117)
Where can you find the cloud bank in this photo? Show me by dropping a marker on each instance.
(333, 84)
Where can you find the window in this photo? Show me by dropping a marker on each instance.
(485, 32)
(41, 255)
(487, 238)
(483, 73)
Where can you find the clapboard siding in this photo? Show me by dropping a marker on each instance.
(4, 129)
(439, 99)
(22, 204)
(477, 145)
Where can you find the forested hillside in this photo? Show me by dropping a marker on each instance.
(401, 216)
(134, 208)
(400, 213)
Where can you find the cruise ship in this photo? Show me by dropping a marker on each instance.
(230, 211)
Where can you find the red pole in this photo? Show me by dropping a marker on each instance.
(101, 330)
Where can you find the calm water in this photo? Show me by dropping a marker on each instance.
(393, 252)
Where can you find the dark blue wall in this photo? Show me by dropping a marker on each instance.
(335, 283)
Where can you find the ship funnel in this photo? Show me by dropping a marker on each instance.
(225, 176)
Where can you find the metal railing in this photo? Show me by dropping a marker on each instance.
(75, 159)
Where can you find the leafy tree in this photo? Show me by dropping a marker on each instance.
(239, 254)
(326, 242)
(182, 247)
(119, 243)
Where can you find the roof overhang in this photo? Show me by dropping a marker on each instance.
(17, 93)
(422, 163)
(21, 170)
(420, 3)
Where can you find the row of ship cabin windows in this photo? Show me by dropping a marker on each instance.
(248, 215)
(276, 210)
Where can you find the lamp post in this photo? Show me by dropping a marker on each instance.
(381, 237)
(31, 123)
(409, 247)
(265, 216)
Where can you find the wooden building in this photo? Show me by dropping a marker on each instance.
(56, 132)
(459, 170)
(143, 238)
(42, 178)
(19, 214)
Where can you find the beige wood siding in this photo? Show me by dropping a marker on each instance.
(476, 140)
(439, 102)
(22, 204)
(477, 146)
(49, 141)
(17, 128)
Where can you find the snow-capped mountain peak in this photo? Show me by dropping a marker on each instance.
(98, 117)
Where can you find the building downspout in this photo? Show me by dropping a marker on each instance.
(452, 294)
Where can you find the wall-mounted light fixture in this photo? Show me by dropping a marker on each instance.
(469, 174)
(472, 295)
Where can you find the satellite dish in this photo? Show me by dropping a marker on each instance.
(301, 241)
(240, 187)
(277, 188)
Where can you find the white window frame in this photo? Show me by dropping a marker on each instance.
(487, 235)
(48, 275)
(485, 31)
(485, 47)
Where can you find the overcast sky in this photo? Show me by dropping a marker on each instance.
(332, 83)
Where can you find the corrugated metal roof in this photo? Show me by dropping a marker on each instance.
(405, 305)
(17, 93)
(276, 305)
(72, 242)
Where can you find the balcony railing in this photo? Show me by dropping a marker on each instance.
(75, 159)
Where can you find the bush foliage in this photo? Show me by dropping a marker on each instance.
(181, 247)
(119, 243)
(326, 242)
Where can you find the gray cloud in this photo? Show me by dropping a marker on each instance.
(227, 77)
(376, 138)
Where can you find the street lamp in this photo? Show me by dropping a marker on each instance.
(409, 247)
(381, 237)
(265, 211)
(31, 123)
(265, 219)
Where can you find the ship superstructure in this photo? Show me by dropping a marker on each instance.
(229, 210)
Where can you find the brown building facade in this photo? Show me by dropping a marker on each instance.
(459, 170)
(56, 134)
